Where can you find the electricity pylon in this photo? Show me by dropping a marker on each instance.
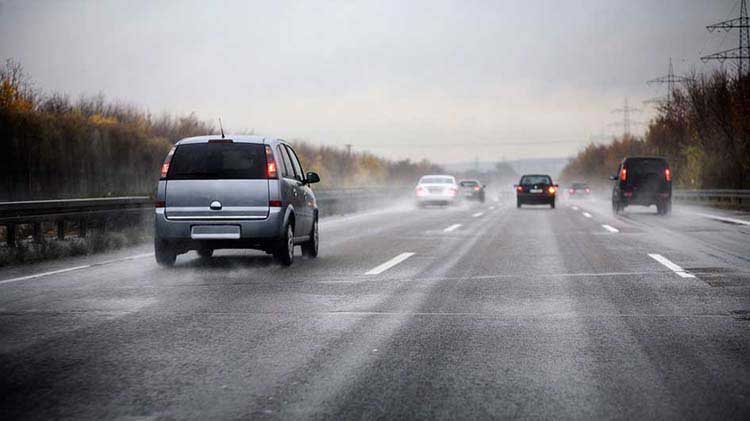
(670, 79)
(741, 54)
(626, 120)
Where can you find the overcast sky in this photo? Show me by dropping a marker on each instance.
(445, 80)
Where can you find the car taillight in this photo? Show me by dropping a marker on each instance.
(452, 190)
(668, 174)
(274, 203)
(421, 191)
(477, 188)
(271, 171)
(160, 204)
(519, 189)
(623, 174)
(551, 190)
(588, 190)
(165, 165)
(572, 191)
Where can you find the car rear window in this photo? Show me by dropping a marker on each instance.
(644, 166)
(536, 179)
(210, 161)
(436, 180)
(468, 183)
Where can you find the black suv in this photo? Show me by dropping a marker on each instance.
(645, 181)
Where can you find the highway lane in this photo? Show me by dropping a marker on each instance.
(495, 312)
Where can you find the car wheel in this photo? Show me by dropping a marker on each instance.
(284, 253)
(616, 208)
(310, 247)
(552, 204)
(518, 203)
(164, 253)
(205, 252)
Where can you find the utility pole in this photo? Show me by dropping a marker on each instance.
(349, 149)
(670, 79)
(626, 120)
(741, 54)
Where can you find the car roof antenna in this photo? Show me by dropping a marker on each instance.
(222, 128)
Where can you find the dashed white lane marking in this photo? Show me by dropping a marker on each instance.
(452, 227)
(575, 208)
(492, 208)
(610, 228)
(673, 267)
(389, 264)
(587, 215)
(478, 214)
(723, 218)
(71, 269)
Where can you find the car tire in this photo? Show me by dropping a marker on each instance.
(284, 252)
(165, 254)
(518, 203)
(616, 208)
(552, 204)
(310, 247)
(205, 252)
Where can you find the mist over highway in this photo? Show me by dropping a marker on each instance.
(469, 312)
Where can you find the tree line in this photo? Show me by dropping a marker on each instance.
(55, 147)
(703, 129)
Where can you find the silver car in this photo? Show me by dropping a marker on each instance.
(234, 192)
(436, 190)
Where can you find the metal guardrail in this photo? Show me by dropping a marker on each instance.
(59, 211)
(738, 198)
(84, 211)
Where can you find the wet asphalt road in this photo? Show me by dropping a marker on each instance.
(530, 313)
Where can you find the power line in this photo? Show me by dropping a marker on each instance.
(741, 54)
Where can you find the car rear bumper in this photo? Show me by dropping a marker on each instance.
(645, 199)
(535, 198)
(436, 198)
(250, 231)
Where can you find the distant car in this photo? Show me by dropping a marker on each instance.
(644, 181)
(536, 189)
(238, 192)
(579, 191)
(436, 190)
(471, 190)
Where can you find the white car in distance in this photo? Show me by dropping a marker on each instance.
(436, 190)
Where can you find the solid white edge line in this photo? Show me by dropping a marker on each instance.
(723, 218)
(671, 266)
(39, 275)
(389, 264)
(587, 215)
(452, 227)
(55, 272)
(478, 214)
(610, 228)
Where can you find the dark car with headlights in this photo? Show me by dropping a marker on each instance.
(643, 181)
(536, 189)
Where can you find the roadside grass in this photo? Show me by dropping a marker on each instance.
(27, 251)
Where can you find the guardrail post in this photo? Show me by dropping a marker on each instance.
(82, 228)
(61, 229)
(37, 232)
(10, 234)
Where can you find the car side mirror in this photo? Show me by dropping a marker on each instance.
(612, 177)
(312, 178)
